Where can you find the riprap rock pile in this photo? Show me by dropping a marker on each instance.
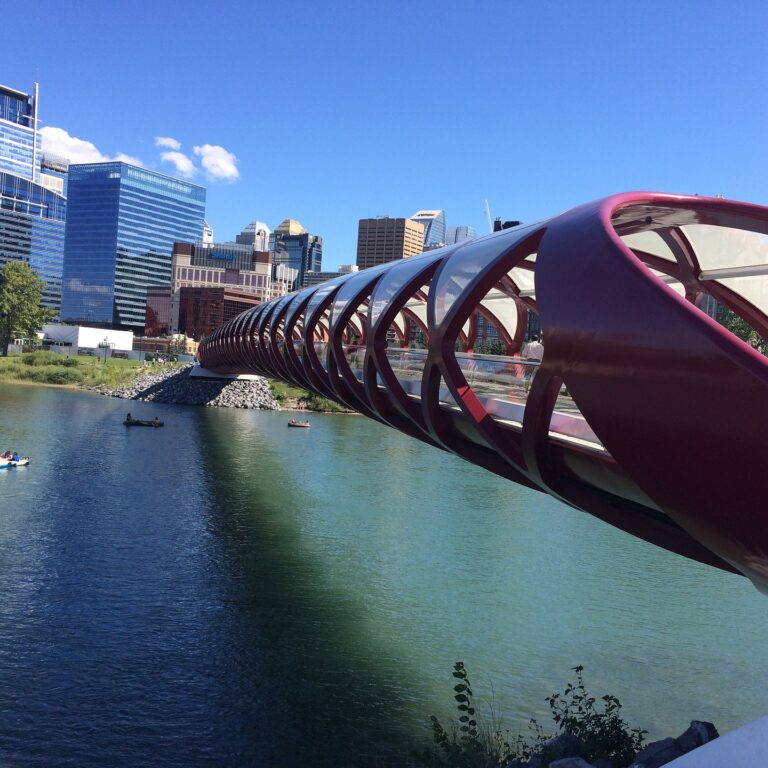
(176, 386)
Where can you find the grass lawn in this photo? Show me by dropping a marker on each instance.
(44, 367)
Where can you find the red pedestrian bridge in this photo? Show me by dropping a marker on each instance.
(644, 411)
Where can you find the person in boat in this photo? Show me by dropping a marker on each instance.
(15, 456)
(6, 455)
(155, 422)
(128, 418)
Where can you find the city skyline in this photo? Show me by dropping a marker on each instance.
(558, 104)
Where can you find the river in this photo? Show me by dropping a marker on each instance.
(227, 592)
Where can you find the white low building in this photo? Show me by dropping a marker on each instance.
(80, 337)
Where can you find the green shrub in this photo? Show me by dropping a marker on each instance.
(471, 743)
(604, 733)
(313, 402)
(44, 357)
(54, 375)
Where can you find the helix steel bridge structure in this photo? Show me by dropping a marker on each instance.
(644, 411)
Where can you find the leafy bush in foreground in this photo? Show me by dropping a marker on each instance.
(471, 744)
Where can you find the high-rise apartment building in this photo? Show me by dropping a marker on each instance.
(434, 227)
(385, 239)
(295, 248)
(122, 223)
(459, 234)
(32, 204)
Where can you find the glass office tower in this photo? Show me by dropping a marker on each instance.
(434, 227)
(459, 234)
(19, 139)
(32, 230)
(121, 225)
(295, 248)
(32, 209)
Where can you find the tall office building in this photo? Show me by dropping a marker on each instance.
(121, 226)
(434, 227)
(295, 248)
(459, 234)
(234, 266)
(19, 137)
(256, 234)
(32, 203)
(384, 239)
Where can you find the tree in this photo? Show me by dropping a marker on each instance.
(738, 326)
(20, 312)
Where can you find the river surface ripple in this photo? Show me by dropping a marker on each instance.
(228, 592)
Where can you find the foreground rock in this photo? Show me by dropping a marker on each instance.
(176, 386)
(569, 751)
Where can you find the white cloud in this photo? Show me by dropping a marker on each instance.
(167, 141)
(123, 158)
(219, 164)
(184, 165)
(57, 141)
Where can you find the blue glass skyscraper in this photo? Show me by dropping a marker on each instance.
(434, 227)
(291, 245)
(459, 234)
(32, 208)
(19, 139)
(121, 225)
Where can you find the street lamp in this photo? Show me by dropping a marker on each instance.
(105, 345)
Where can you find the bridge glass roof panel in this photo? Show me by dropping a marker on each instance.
(649, 242)
(503, 309)
(352, 285)
(524, 279)
(419, 309)
(754, 288)
(396, 277)
(297, 299)
(321, 293)
(725, 247)
(468, 262)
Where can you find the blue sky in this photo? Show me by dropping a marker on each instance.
(340, 110)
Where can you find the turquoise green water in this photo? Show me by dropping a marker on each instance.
(227, 589)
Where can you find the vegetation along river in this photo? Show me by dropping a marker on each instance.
(225, 591)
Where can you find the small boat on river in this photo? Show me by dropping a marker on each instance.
(10, 463)
(298, 423)
(143, 423)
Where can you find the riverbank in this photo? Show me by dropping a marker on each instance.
(169, 383)
(175, 386)
(43, 367)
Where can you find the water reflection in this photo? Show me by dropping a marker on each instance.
(226, 591)
(330, 690)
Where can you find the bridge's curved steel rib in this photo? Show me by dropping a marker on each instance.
(644, 411)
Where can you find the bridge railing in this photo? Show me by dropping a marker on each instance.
(500, 382)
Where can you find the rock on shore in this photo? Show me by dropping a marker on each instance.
(176, 386)
(568, 751)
